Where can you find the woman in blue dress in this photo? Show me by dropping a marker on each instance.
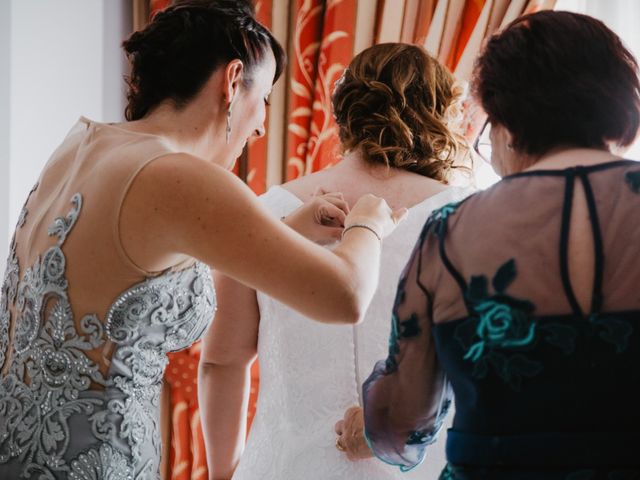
(523, 299)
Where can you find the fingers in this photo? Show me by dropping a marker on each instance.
(331, 215)
(353, 445)
(351, 413)
(399, 215)
(350, 431)
(338, 200)
(320, 192)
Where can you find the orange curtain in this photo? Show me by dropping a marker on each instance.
(321, 37)
(321, 49)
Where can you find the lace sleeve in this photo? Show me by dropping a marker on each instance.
(407, 397)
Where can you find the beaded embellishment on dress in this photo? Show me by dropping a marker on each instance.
(60, 417)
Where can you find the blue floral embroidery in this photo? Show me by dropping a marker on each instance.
(437, 221)
(447, 473)
(501, 327)
(633, 180)
(399, 330)
(612, 330)
(445, 212)
(428, 436)
(390, 364)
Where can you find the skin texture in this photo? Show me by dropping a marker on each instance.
(506, 161)
(212, 216)
(350, 431)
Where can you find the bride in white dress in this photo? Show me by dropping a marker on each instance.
(394, 107)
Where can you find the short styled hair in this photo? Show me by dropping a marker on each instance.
(557, 79)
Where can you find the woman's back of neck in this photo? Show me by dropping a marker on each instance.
(353, 176)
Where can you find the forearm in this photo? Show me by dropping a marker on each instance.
(228, 229)
(359, 253)
(224, 397)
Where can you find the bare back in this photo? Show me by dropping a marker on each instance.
(84, 332)
(353, 178)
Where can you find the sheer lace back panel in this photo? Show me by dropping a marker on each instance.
(84, 332)
(525, 296)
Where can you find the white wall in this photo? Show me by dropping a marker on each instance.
(117, 26)
(621, 16)
(63, 60)
(5, 123)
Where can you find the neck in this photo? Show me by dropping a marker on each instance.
(190, 129)
(354, 161)
(566, 157)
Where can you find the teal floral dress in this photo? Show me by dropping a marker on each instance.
(545, 376)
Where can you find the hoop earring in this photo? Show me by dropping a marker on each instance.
(228, 124)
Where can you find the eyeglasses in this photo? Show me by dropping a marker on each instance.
(482, 144)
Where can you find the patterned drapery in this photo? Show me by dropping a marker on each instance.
(321, 49)
(321, 37)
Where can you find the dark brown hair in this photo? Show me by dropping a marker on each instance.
(559, 78)
(395, 104)
(174, 56)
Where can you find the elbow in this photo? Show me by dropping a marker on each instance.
(357, 313)
(355, 299)
(349, 312)
(240, 359)
(355, 306)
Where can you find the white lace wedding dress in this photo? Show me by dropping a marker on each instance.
(310, 373)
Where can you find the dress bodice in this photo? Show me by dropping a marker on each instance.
(310, 373)
(63, 414)
(543, 387)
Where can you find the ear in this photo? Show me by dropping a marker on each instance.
(509, 138)
(233, 73)
(503, 136)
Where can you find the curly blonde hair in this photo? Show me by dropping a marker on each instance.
(398, 106)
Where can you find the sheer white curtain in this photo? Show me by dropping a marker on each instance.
(621, 16)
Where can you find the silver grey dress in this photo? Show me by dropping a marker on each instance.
(60, 417)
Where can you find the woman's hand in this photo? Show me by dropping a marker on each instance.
(320, 219)
(374, 212)
(350, 432)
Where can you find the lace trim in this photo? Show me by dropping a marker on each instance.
(10, 284)
(168, 312)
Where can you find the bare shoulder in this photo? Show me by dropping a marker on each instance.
(305, 186)
(417, 188)
(172, 203)
(177, 182)
(173, 169)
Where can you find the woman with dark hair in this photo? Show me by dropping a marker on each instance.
(396, 109)
(109, 266)
(524, 298)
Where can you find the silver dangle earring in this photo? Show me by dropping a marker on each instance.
(229, 123)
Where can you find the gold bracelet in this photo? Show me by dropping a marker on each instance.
(362, 225)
